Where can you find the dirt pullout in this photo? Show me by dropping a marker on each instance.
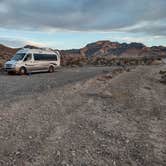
(102, 121)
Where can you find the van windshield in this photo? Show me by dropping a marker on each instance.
(18, 57)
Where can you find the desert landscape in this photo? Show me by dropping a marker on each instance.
(82, 83)
(101, 53)
(86, 113)
(84, 116)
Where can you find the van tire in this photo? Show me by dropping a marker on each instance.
(51, 69)
(22, 71)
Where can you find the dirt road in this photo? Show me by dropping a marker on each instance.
(99, 121)
(13, 86)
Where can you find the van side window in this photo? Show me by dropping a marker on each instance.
(36, 57)
(28, 57)
(45, 57)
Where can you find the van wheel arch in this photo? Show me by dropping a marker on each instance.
(51, 69)
(22, 70)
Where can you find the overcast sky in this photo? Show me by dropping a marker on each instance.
(66, 24)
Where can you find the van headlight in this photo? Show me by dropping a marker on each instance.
(14, 65)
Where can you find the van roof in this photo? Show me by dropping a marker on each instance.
(38, 51)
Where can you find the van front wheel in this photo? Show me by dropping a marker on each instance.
(22, 71)
(51, 69)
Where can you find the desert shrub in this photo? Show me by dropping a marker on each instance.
(122, 61)
(73, 60)
(80, 60)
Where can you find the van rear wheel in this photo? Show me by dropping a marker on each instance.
(51, 69)
(22, 71)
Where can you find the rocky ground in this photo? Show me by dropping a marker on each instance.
(114, 119)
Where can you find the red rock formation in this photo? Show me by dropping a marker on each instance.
(107, 48)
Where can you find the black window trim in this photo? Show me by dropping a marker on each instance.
(45, 57)
(27, 55)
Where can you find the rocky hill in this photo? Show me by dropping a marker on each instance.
(97, 49)
(108, 48)
(102, 52)
(6, 53)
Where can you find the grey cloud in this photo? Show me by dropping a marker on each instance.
(155, 28)
(83, 15)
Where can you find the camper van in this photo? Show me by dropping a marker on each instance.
(29, 60)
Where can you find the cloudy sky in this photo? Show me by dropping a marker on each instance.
(67, 24)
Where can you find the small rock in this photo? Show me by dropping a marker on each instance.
(18, 152)
(127, 141)
(64, 163)
(94, 132)
(58, 153)
(73, 153)
(86, 151)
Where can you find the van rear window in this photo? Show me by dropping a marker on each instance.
(45, 57)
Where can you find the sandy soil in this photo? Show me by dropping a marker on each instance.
(119, 121)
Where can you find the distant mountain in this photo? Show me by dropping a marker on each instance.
(97, 49)
(6, 52)
(108, 48)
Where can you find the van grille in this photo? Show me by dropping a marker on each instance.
(8, 65)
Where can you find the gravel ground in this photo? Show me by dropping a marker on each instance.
(74, 120)
(15, 85)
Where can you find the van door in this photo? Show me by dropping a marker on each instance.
(29, 62)
(38, 62)
(41, 62)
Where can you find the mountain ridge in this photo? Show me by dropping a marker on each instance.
(102, 48)
(106, 47)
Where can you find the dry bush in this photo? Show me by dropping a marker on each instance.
(121, 61)
(73, 60)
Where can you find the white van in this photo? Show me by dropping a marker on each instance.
(29, 60)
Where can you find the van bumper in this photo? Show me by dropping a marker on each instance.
(15, 70)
